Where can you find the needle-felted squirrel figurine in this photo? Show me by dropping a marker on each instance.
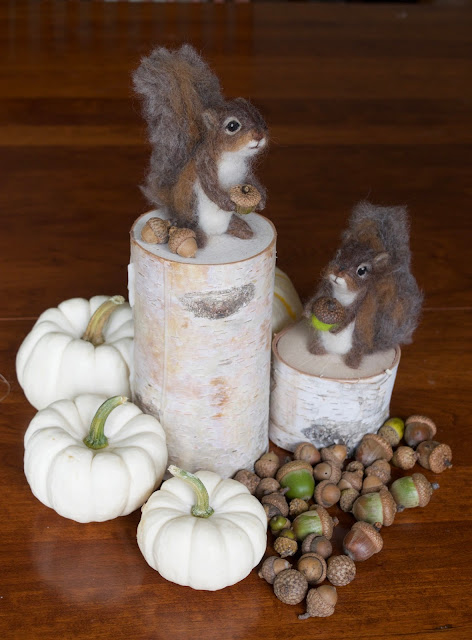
(202, 144)
(368, 299)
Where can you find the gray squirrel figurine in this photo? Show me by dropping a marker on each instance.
(203, 146)
(368, 299)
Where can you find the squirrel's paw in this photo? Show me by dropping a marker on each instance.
(239, 228)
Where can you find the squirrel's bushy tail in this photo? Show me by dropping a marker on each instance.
(176, 88)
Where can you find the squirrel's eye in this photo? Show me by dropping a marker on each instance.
(232, 126)
(362, 270)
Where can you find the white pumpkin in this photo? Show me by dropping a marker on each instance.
(87, 484)
(202, 551)
(286, 307)
(81, 346)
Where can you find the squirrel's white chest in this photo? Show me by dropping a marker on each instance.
(340, 342)
(232, 169)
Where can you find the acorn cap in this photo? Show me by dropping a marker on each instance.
(290, 586)
(328, 310)
(404, 458)
(389, 434)
(267, 465)
(308, 452)
(389, 506)
(277, 500)
(422, 420)
(183, 242)
(248, 479)
(327, 493)
(265, 487)
(434, 455)
(327, 522)
(313, 567)
(355, 467)
(381, 469)
(285, 546)
(271, 567)
(336, 454)
(350, 480)
(424, 488)
(347, 499)
(245, 196)
(341, 570)
(317, 544)
(320, 603)
(297, 506)
(373, 447)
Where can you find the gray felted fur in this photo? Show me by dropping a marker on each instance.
(387, 301)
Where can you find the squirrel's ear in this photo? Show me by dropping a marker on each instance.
(210, 118)
(380, 261)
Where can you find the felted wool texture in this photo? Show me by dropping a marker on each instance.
(186, 116)
(387, 303)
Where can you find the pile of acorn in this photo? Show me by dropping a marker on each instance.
(297, 493)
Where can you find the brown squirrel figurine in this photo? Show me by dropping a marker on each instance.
(202, 144)
(376, 302)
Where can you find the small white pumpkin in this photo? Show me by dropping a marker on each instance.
(91, 463)
(81, 346)
(286, 307)
(208, 544)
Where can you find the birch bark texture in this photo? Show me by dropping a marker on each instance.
(320, 400)
(202, 346)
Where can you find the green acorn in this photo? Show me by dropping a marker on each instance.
(297, 477)
(375, 507)
(412, 491)
(317, 521)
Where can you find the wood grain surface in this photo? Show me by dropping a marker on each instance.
(362, 101)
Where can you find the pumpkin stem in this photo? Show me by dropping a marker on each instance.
(202, 507)
(94, 331)
(96, 438)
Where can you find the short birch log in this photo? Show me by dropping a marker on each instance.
(320, 400)
(202, 345)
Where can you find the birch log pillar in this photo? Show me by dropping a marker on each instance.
(319, 399)
(202, 345)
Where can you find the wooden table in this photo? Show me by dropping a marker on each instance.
(362, 102)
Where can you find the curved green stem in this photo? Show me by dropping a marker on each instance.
(201, 509)
(94, 331)
(96, 438)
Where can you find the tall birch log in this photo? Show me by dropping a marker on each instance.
(320, 400)
(202, 345)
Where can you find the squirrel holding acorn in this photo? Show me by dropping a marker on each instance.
(368, 299)
(203, 146)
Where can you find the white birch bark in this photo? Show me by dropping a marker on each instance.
(202, 345)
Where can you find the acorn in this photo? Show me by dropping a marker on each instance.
(355, 467)
(326, 313)
(392, 431)
(350, 480)
(376, 507)
(381, 469)
(313, 567)
(327, 471)
(317, 544)
(362, 541)
(327, 494)
(271, 511)
(336, 454)
(266, 486)
(271, 567)
(308, 452)
(434, 456)
(297, 506)
(371, 484)
(156, 231)
(320, 603)
(279, 523)
(412, 491)
(277, 500)
(371, 448)
(267, 465)
(341, 570)
(404, 458)
(286, 545)
(249, 479)
(290, 586)
(246, 198)
(418, 429)
(183, 242)
(297, 477)
(347, 499)
(317, 521)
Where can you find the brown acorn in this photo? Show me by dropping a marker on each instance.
(290, 586)
(183, 242)
(404, 458)
(266, 486)
(246, 198)
(277, 500)
(286, 545)
(371, 448)
(347, 499)
(327, 471)
(355, 466)
(248, 479)
(313, 567)
(417, 429)
(328, 310)
(320, 603)
(327, 494)
(362, 541)
(297, 506)
(308, 452)
(317, 544)
(434, 456)
(267, 465)
(341, 570)
(371, 484)
(336, 454)
(376, 507)
(271, 567)
(156, 231)
(412, 491)
(381, 469)
(350, 480)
